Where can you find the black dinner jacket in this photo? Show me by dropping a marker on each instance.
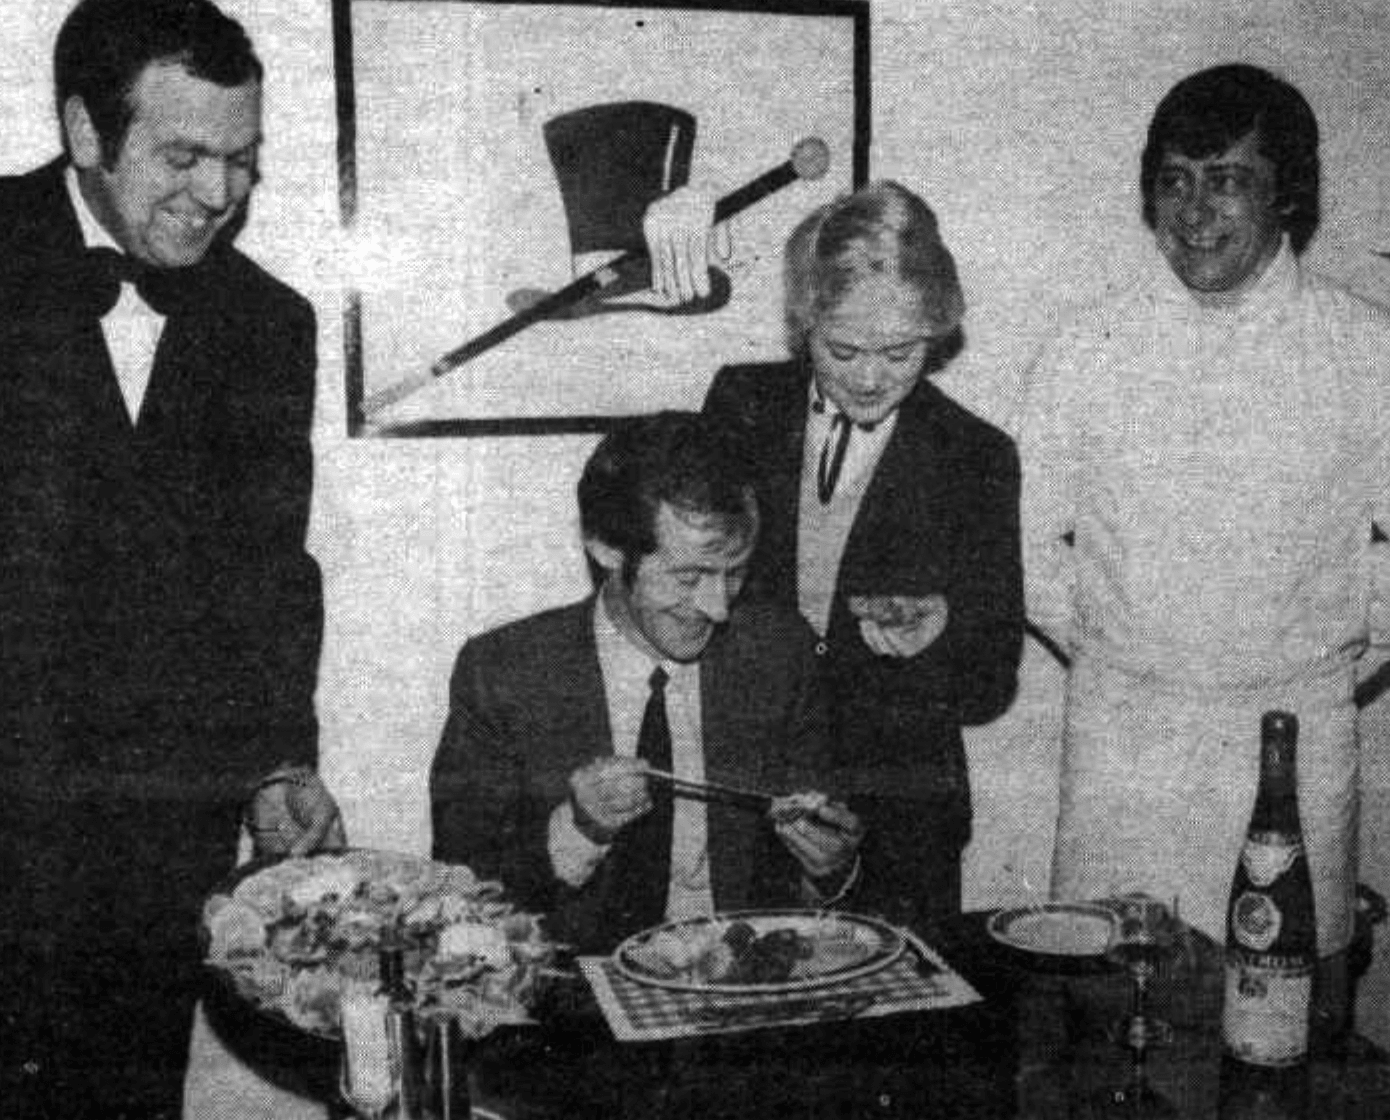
(527, 707)
(160, 619)
(940, 514)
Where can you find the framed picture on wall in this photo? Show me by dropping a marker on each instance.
(495, 162)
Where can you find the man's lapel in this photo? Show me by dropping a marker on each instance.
(61, 355)
(180, 379)
(581, 671)
(721, 843)
(54, 244)
(199, 353)
(737, 840)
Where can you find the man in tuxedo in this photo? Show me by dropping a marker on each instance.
(891, 522)
(543, 774)
(159, 617)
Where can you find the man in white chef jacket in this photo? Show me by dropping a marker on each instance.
(1205, 465)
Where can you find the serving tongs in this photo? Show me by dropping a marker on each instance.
(759, 801)
(755, 799)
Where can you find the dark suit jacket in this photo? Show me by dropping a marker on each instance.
(160, 619)
(940, 515)
(527, 707)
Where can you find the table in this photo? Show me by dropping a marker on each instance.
(1037, 1047)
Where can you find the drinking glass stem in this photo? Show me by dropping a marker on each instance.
(1138, 1033)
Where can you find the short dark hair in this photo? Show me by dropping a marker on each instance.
(1207, 112)
(105, 45)
(682, 459)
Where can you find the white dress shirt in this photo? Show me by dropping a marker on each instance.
(132, 328)
(626, 675)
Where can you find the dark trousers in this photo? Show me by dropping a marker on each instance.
(100, 961)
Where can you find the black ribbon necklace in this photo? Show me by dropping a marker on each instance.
(832, 454)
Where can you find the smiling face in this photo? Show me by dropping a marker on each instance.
(869, 352)
(678, 594)
(185, 167)
(1216, 221)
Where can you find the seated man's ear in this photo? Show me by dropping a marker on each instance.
(607, 557)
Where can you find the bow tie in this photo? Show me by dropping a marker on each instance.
(103, 271)
(55, 289)
(58, 289)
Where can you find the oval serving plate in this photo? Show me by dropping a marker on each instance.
(841, 947)
(1055, 931)
(283, 937)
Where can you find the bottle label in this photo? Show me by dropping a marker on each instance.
(1268, 856)
(1256, 920)
(1265, 1013)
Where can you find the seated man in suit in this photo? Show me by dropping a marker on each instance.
(541, 777)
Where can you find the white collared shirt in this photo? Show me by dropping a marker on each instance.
(132, 328)
(822, 530)
(626, 675)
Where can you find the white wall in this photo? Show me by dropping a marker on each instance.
(1020, 123)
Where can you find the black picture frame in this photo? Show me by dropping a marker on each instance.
(389, 72)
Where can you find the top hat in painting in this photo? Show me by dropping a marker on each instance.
(612, 161)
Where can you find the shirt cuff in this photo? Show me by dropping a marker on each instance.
(815, 896)
(573, 856)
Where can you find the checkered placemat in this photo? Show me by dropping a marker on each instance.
(645, 1013)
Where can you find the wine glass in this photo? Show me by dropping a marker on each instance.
(1141, 940)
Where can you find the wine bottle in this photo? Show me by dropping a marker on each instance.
(1271, 933)
(401, 1032)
